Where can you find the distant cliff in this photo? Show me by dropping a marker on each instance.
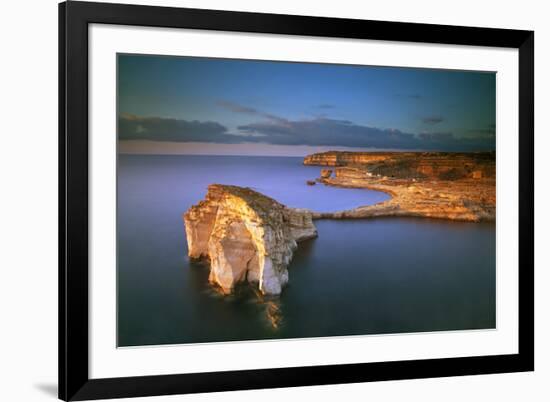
(456, 186)
(412, 165)
(246, 236)
(338, 158)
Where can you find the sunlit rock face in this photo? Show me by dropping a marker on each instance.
(411, 165)
(455, 186)
(339, 158)
(246, 236)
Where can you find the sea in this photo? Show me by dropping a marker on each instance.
(359, 277)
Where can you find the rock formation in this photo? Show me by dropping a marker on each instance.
(457, 186)
(411, 165)
(338, 158)
(246, 236)
(249, 237)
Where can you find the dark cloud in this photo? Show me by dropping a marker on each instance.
(413, 96)
(325, 106)
(237, 108)
(432, 119)
(319, 131)
(132, 127)
(324, 131)
(330, 132)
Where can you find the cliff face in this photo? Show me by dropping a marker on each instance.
(246, 236)
(338, 158)
(457, 186)
(412, 165)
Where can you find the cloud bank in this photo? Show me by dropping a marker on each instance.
(317, 131)
(132, 127)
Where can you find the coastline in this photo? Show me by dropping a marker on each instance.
(250, 237)
(428, 185)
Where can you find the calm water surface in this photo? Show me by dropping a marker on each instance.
(358, 277)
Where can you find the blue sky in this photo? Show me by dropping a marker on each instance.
(224, 103)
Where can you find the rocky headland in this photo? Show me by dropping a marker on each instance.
(246, 236)
(457, 186)
(249, 237)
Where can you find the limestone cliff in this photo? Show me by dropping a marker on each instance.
(457, 186)
(246, 236)
(340, 158)
(412, 165)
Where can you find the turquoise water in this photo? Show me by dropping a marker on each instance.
(358, 277)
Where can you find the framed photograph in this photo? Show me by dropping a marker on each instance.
(257, 201)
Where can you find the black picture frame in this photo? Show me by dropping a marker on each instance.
(74, 381)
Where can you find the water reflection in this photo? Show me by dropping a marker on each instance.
(270, 308)
(274, 313)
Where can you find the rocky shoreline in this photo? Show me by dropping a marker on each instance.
(455, 186)
(249, 237)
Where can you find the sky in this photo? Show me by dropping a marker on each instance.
(246, 107)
